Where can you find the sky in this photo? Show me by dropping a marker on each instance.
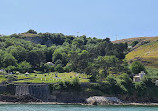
(116, 19)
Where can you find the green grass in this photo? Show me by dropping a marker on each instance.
(50, 78)
(2, 78)
(152, 72)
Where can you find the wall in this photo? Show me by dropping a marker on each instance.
(40, 91)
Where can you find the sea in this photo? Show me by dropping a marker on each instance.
(42, 107)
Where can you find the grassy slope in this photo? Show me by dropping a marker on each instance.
(140, 39)
(147, 54)
(2, 78)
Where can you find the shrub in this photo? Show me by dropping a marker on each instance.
(140, 89)
(59, 68)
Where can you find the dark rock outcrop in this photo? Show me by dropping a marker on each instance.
(25, 98)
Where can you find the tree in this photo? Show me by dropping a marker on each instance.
(113, 86)
(125, 82)
(136, 67)
(106, 64)
(19, 52)
(10, 68)
(32, 31)
(79, 60)
(60, 54)
(24, 67)
(9, 60)
(48, 68)
(36, 57)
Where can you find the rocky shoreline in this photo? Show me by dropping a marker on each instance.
(57, 103)
(91, 101)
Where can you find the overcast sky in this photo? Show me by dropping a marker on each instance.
(93, 18)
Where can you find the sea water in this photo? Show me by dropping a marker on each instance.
(37, 107)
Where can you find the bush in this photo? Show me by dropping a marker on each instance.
(59, 68)
(125, 82)
(67, 86)
(113, 86)
(140, 89)
(76, 84)
(11, 78)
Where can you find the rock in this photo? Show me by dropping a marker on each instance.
(25, 98)
(101, 100)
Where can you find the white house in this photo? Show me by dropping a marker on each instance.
(138, 77)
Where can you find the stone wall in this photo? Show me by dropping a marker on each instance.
(7, 89)
(2, 89)
(40, 91)
(68, 96)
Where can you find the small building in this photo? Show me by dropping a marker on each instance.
(2, 71)
(156, 82)
(129, 47)
(50, 63)
(17, 72)
(26, 73)
(138, 77)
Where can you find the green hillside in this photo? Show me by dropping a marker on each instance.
(147, 54)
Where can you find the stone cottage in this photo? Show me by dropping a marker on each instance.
(138, 77)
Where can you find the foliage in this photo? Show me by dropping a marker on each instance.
(136, 67)
(10, 69)
(24, 67)
(134, 43)
(48, 68)
(31, 31)
(67, 85)
(59, 68)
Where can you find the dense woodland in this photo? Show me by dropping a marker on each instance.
(68, 53)
(100, 58)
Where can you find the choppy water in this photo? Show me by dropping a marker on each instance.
(21, 107)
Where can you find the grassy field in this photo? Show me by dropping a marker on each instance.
(50, 77)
